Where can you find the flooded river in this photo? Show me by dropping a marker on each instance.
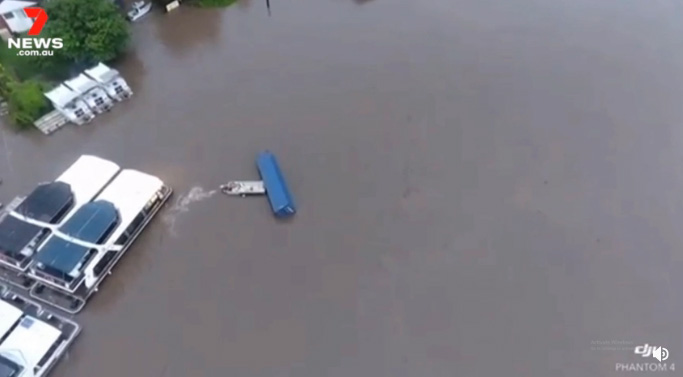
(485, 188)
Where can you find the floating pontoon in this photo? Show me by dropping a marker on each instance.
(273, 185)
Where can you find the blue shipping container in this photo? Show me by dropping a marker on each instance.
(280, 199)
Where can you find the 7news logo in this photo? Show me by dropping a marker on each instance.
(41, 18)
(32, 45)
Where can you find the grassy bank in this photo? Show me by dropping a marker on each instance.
(213, 3)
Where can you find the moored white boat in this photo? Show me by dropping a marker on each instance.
(138, 10)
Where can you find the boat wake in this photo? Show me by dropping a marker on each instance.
(182, 205)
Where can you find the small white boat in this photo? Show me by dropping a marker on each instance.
(138, 10)
(243, 188)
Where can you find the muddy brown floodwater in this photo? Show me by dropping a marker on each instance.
(485, 188)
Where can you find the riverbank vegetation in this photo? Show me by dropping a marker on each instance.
(25, 99)
(214, 3)
(91, 30)
(21, 67)
(27, 102)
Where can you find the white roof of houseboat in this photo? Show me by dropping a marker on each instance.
(9, 315)
(130, 192)
(61, 95)
(81, 83)
(13, 5)
(87, 177)
(33, 338)
(102, 73)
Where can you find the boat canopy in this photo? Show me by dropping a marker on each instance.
(48, 202)
(15, 235)
(92, 222)
(280, 198)
(60, 257)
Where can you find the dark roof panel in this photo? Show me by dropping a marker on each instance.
(8, 368)
(15, 234)
(47, 202)
(61, 255)
(92, 221)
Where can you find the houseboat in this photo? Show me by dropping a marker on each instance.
(91, 93)
(70, 104)
(116, 87)
(23, 229)
(76, 257)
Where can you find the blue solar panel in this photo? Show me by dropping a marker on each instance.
(61, 255)
(92, 221)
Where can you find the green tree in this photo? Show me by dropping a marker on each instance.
(214, 3)
(6, 82)
(92, 30)
(26, 102)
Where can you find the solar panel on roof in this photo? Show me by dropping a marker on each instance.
(61, 256)
(15, 234)
(47, 202)
(92, 221)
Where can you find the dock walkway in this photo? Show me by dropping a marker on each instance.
(51, 122)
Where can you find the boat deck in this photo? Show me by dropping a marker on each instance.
(243, 188)
(51, 122)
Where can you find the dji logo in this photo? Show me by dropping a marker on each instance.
(659, 353)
